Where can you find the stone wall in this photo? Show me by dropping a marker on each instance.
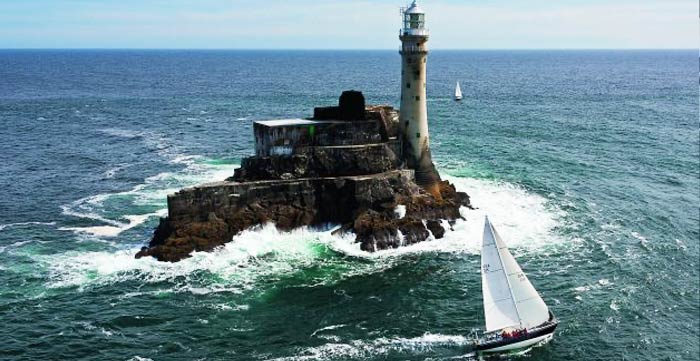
(307, 162)
(196, 203)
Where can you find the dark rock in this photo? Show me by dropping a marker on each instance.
(375, 231)
(436, 229)
(413, 231)
(206, 217)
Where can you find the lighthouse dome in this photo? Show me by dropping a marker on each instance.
(414, 9)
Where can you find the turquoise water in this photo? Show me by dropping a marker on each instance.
(585, 161)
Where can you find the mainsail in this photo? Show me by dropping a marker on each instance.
(458, 92)
(509, 298)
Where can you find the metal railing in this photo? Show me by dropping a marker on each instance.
(414, 32)
(413, 49)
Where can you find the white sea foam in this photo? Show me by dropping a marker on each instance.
(20, 224)
(426, 341)
(582, 289)
(110, 173)
(152, 193)
(604, 282)
(327, 328)
(524, 220)
(638, 236)
(400, 211)
(253, 254)
(113, 231)
(14, 245)
(337, 350)
(155, 141)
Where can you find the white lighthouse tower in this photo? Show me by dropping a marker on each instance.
(414, 111)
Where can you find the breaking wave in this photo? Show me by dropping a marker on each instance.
(115, 228)
(525, 220)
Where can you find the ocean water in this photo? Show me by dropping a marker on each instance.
(585, 161)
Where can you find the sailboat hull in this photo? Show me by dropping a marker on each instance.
(541, 334)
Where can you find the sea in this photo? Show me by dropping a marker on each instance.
(586, 162)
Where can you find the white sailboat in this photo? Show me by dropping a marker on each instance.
(516, 316)
(458, 92)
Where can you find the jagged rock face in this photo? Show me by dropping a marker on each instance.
(376, 228)
(364, 205)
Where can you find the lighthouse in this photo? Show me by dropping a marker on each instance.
(413, 115)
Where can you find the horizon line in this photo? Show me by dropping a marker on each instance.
(344, 49)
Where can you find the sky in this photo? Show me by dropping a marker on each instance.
(347, 24)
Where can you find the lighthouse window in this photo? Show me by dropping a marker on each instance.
(408, 85)
(417, 97)
(416, 21)
(417, 135)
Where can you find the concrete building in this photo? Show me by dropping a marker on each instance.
(350, 124)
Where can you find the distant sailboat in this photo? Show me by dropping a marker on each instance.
(516, 316)
(458, 92)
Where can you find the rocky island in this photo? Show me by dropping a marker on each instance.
(365, 168)
(344, 166)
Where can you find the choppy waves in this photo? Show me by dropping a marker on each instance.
(147, 199)
(24, 224)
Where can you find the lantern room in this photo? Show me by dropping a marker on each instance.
(413, 20)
